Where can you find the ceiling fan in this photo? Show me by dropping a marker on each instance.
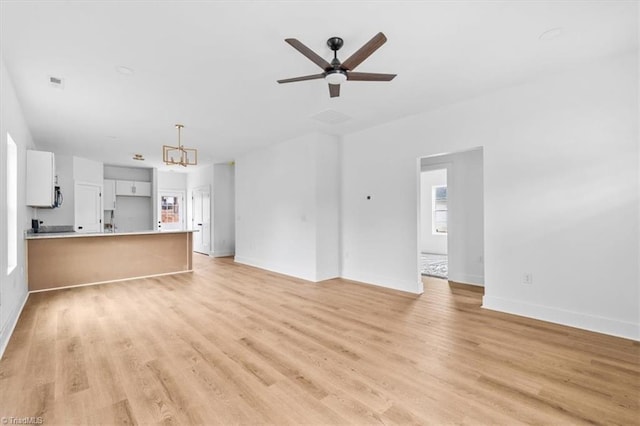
(336, 72)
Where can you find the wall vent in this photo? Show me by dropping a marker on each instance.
(56, 82)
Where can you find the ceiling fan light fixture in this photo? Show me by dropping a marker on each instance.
(336, 77)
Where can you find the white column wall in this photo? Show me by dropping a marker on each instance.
(561, 195)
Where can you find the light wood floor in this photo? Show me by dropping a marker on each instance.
(230, 344)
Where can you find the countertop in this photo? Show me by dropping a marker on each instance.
(31, 236)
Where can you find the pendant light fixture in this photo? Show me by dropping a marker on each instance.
(179, 155)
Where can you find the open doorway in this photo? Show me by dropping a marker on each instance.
(433, 215)
(451, 217)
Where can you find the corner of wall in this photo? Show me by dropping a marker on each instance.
(8, 329)
(13, 287)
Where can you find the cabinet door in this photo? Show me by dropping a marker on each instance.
(143, 189)
(124, 187)
(40, 178)
(109, 195)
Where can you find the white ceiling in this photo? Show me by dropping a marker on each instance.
(213, 66)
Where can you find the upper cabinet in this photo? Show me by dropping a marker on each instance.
(133, 188)
(40, 179)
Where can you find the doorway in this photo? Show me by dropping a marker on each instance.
(201, 220)
(171, 210)
(434, 220)
(451, 217)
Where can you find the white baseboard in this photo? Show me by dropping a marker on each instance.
(225, 253)
(280, 269)
(8, 331)
(394, 284)
(598, 324)
(476, 280)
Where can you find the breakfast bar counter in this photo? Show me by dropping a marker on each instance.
(71, 259)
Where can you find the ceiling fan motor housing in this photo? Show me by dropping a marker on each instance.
(335, 43)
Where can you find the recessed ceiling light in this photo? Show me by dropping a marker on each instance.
(551, 34)
(124, 70)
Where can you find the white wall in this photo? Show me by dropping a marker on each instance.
(223, 217)
(429, 242)
(172, 181)
(327, 181)
(277, 193)
(88, 171)
(466, 230)
(13, 287)
(136, 174)
(561, 195)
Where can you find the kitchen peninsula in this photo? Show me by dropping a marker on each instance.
(71, 259)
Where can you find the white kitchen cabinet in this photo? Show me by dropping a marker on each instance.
(133, 189)
(40, 178)
(109, 194)
(143, 189)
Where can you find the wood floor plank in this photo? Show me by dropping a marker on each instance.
(231, 344)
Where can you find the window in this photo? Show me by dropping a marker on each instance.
(12, 204)
(439, 207)
(170, 209)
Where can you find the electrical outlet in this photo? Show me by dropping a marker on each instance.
(527, 278)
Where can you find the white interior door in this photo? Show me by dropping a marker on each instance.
(170, 210)
(201, 220)
(88, 207)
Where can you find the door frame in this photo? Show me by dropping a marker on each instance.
(206, 188)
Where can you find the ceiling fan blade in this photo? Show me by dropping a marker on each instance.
(364, 52)
(369, 76)
(303, 78)
(334, 90)
(313, 56)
